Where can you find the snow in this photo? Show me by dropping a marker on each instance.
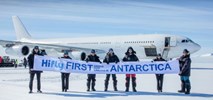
(207, 55)
(14, 85)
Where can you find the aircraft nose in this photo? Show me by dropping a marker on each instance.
(197, 47)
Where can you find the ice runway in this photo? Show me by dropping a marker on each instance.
(14, 85)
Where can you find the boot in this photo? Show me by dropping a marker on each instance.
(134, 84)
(30, 91)
(188, 88)
(93, 86)
(159, 91)
(127, 90)
(182, 87)
(106, 85)
(39, 91)
(88, 86)
(127, 84)
(187, 91)
(115, 85)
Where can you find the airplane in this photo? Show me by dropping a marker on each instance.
(147, 46)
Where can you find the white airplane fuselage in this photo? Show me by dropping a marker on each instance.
(146, 46)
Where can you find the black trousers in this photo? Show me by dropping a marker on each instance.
(159, 78)
(25, 65)
(114, 78)
(91, 78)
(38, 75)
(133, 83)
(65, 81)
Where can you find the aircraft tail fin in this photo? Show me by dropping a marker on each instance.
(20, 30)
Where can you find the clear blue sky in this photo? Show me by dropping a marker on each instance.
(76, 18)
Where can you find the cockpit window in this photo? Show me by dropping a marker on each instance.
(186, 41)
(190, 41)
(183, 41)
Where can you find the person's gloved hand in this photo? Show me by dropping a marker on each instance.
(180, 73)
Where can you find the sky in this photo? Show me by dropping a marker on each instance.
(80, 18)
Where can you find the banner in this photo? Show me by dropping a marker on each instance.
(46, 63)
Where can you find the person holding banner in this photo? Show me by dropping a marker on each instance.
(185, 69)
(130, 57)
(159, 77)
(111, 58)
(91, 77)
(65, 76)
(33, 72)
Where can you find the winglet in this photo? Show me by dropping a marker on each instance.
(20, 30)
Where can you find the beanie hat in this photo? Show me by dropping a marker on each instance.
(185, 51)
(36, 47)
(92, 51)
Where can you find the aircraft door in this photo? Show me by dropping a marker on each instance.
(170, 41)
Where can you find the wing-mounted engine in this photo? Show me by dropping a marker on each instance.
(20, 50)
(78, 55)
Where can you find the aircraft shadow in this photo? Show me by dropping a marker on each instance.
(202, 68)
(102, 94)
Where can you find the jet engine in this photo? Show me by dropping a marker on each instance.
(18, 50)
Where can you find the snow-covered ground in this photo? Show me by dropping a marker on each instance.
(14, 86)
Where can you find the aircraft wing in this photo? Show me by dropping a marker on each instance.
(57, 47)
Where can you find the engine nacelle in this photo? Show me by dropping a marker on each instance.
(77, 55)
(18, 50)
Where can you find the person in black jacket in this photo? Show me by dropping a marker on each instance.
(25, 63)
(130, 57)
(91, 77)
(33, 72)
(43, 52)
(111, 58)
(185, 70)
(65, 76)
(159, 77)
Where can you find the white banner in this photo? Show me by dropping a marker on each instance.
(46, 63)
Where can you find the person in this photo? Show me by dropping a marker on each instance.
(111, 58)
(33, 72)
(91, 77)
(159, 77)
(185, 71)
(16, 63)
(1, 60)
(43, 52)
(65, 76)
(25, 62)
(130, 57)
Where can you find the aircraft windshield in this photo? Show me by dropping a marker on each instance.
(187, 40)
(190, 40)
